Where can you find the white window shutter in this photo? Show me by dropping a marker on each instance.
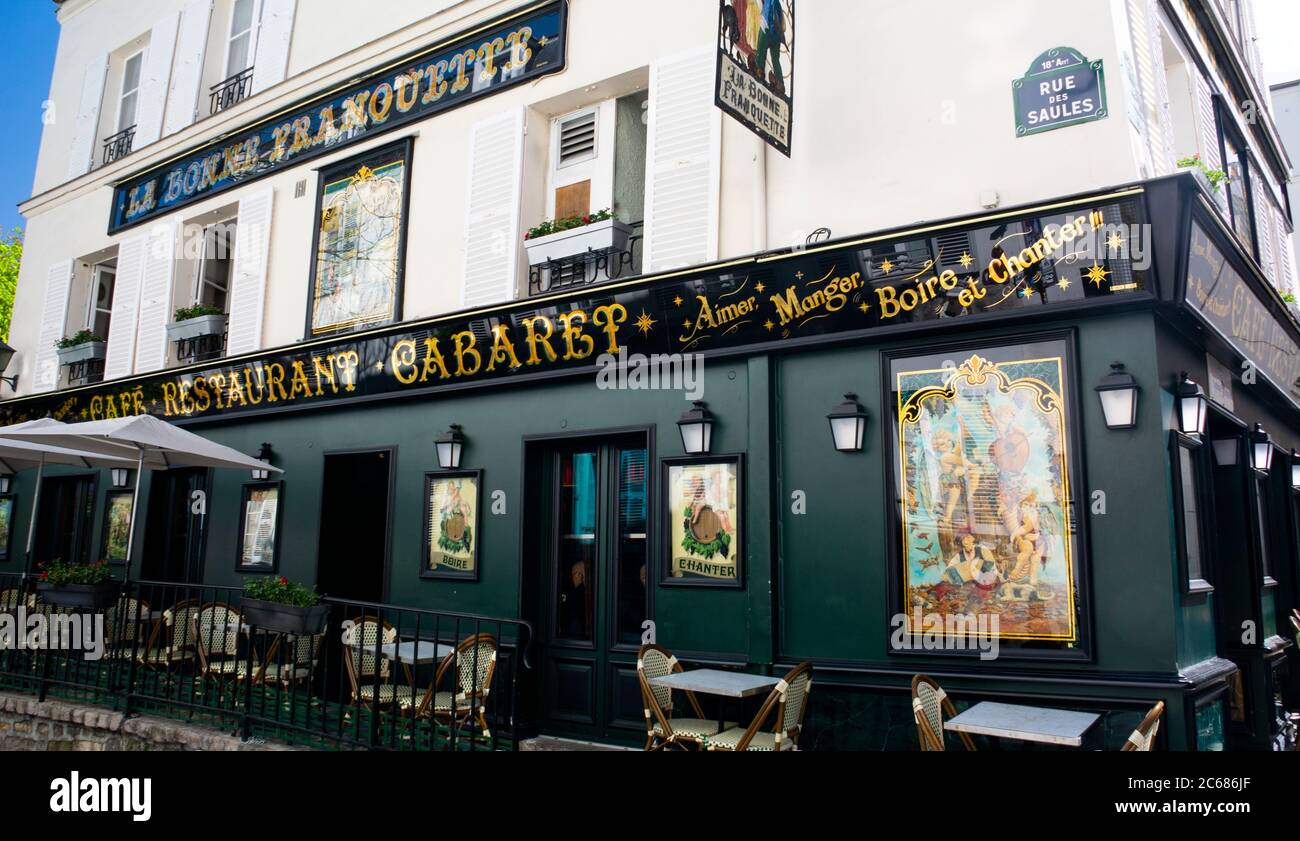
(187, 77)
(54, 313)
(248, 280)
(491, 250)
(1209, 125)
(1286, 279)
(154, 81)
(83, 136)
(155, 299)
(684, 145)
(273, 37)
(120, 361)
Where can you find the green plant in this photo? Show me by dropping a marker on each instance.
(720, 545)
(197, 311)
(1289, 297)
(1214, 176)
(11, 255)
(81, 337)
(58, 573)
(280, 591)
(568, 223)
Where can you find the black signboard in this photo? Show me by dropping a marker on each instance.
(1008, 264)
(516, 48)
(1061, 88)
(755, 78)
(1218, 293)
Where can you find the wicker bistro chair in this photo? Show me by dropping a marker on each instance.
(216, 629)
(661, 729)
(1144, 737)
(124, 628)
(475, 662)
(790, 700)
(302, 654)
(171, 642)
(929, 705)
(360, 639)
(11, 599)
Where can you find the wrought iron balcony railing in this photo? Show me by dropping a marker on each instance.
(591, 267)
(85, 372)
(226, 93)
(118, 145)
(201, 348)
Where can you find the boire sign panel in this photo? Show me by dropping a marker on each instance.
(503, 53)
(1060, 255)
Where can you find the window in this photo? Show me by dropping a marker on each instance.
(1238, 169)
(1181, 89)
(99, 309)
(1189, 514)
(239, 49)
(360, 240)
(1262, 521)
(212, 278)
(130, 91)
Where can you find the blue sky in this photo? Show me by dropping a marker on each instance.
(27, 46)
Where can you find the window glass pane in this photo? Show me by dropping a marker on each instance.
(126, 115)
(360, 236)
(131, 73)
(982, 464)
(1191, 513)
(242, 18)
(632, 531)
(1261, 515)
(575, 567)
(215, 284)
(237, 59)
(1238, 192)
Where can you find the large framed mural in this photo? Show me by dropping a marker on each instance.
(117, 525)
(7, 503)
(704, 521)
(360, 242)
(985, 471)
(452, 525)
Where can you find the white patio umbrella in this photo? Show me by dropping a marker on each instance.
(144, 440)
(23, 455)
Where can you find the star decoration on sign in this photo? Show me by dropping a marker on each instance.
(798, 275)
(965, 259)
(864, 306)
(83, 413)
(379, 366)
(645, 323)
(1064, 283)
(768, 324)
(759, 287)
(543, 41)
(886, 266)
(1096, 275)
(677, 302)
(686, 324)
(1115, 241)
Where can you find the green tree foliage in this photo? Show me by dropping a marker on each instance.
(11, 254)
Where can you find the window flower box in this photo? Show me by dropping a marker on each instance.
(285, 618)
(193, 328)
(82, 352)
(91, 596)
(605, 236)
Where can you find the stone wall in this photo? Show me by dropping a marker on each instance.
(28, 724)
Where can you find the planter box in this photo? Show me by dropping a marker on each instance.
(1202, 180)
(610, 235)
(284, 618)
(82, 352)
(94, 596)
(192, 328)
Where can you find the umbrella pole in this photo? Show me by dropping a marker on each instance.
(31, 526)
(135, 502)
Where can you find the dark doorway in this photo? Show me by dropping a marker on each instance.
(64, 519)
(354, 525)
(176, 527)
(590, 519)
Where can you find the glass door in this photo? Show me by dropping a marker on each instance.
(597, 596)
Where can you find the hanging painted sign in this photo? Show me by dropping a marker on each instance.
(1005, 265)
(755, 78)
(1061, 88)
(510, 50)
(1220, 295)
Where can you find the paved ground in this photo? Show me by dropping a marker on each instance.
(553, 743)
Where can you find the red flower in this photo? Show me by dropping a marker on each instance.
(45, 576)
(40, 564)
(528, 234)
(284, 582)
(586, 220)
